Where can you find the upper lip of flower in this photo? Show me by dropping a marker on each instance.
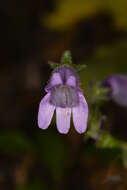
(63, 76)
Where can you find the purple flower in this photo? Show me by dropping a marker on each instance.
(64, 95)
(118, 88)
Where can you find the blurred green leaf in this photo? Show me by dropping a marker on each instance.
(53, 152)
(108, 141)
(15, 142)
(124, 156)
(69, 12)
(33, 186)
(107, 60)
(53, 64)
(106, 155)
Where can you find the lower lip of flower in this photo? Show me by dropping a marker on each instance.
(64, 96)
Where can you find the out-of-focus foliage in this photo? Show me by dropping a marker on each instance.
(106, 60)
(53, 153)
(49, 148)
(15, 142)
(104, 140)
(33, 186)
(69, 12)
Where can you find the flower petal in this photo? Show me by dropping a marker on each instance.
(63, 116)
(66, 72)
(45, 113)
(55, 80)
(71, 81)
(117, 88)
(80, 115)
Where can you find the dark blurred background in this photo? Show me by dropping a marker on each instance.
(31, 34)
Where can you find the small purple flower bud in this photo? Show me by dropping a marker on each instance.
(64, 95)
(118, 88)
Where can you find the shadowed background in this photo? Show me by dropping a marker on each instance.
(31, 34)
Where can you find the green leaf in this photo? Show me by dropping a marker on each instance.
(66, 58)
(15, 142)
(103, 155)
(33, 186)
(53, 64)
(52, 152)
(106, 61)
(108, 141)
(79, 67)
(70, 12)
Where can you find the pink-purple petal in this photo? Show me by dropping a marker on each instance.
(55, 80)
(80, 115)
(71, 81)
(63, 116)
(45, 113)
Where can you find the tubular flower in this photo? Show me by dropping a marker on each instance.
(118, 88)
(64, 95)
